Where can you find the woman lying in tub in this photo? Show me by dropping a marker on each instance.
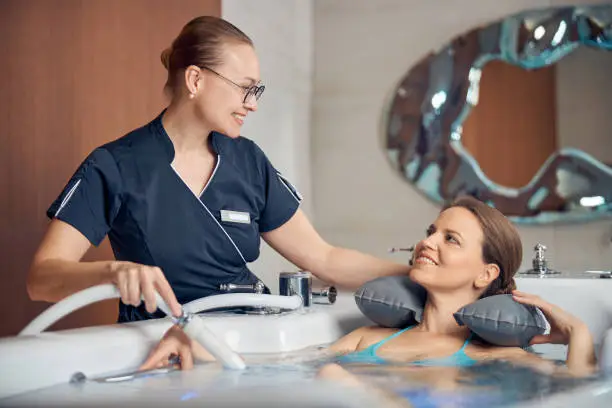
(471, 251)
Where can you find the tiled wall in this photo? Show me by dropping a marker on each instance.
(361, 49)
(282, 33)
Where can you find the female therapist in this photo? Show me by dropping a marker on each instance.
(185, 199)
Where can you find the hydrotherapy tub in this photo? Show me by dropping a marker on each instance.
(36, 370)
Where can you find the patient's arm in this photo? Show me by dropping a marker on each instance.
(581, 351)
(350, 342)
(521, 357)
(338, 374)
(564, 329)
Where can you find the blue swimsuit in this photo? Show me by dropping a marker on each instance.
(369, 356)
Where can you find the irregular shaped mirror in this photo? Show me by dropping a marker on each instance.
(517, 114)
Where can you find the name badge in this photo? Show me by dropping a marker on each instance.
(235, 216)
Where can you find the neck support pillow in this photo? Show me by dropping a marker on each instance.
(396, 301)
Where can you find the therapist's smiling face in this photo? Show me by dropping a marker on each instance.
(231, 89)
(450, 257)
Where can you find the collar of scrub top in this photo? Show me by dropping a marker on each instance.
(168, 147)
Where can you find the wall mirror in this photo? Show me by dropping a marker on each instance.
(517, 113)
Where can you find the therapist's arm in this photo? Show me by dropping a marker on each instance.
(299, 242)
(57, 272)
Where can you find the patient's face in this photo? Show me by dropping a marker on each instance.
(450, 257)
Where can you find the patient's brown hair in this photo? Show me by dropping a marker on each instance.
(501, 243)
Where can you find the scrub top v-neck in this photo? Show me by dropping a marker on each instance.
(128, 190)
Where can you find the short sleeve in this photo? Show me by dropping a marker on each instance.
(91, 199)
(282, 199)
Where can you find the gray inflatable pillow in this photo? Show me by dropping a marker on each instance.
(396, 301)
(392, 301)
(502, 321)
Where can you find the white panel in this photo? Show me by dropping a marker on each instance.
(282, 33)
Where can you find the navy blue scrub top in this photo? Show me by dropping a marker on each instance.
(128, 190)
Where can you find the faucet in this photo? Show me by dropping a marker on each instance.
(394, 249)
(258, 287)
(409, 249)
(300, 283)
(539, 263)
(290, 283)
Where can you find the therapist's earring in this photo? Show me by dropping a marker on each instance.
(191, 95)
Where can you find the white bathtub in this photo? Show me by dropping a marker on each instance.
(36, 370)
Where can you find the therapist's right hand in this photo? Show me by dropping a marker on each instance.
(136, 281)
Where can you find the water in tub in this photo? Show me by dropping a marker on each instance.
(488, 384)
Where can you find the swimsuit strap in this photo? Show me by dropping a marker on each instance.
(394, 335)
(467, 341)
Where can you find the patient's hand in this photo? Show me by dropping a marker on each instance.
(563, 325)
(565, 329)
(176, 342)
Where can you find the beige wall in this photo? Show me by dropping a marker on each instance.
(584, 102)
(362, 49)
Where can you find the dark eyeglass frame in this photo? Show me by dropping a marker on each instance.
(249, 91)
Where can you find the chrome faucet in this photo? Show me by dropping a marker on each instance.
(539, 263)
(409, 249)
(300, 283)
(290, 283)
(326, 295)
(258, 287)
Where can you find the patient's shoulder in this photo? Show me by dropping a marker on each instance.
(361, 337)
(367, 333)
(373, 334)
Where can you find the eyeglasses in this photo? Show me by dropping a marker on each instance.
(249, 91)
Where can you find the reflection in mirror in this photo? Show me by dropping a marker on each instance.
(532, 113)
(516, 113)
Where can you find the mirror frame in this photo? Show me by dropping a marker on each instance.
(423, 122)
